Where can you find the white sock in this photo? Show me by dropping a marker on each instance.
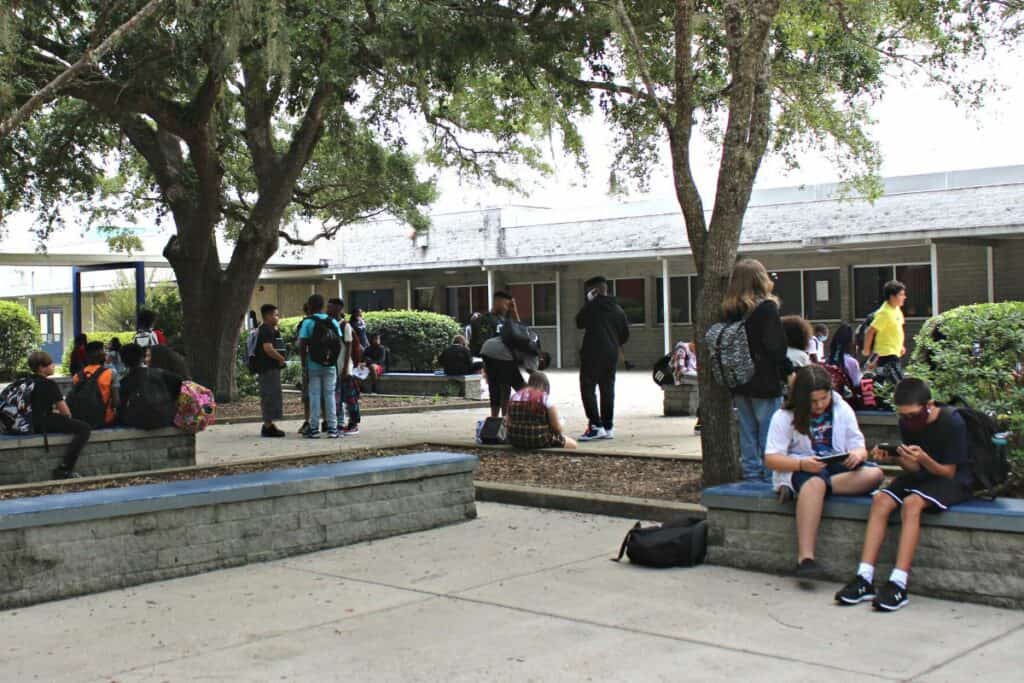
(899, 577)
(866, 571)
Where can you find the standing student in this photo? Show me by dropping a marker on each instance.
(304, 427)
(147, 334)
(320, 337)
(605, 331)
(936, 475)
(270, 350)
(500, 365)
(77, 361)
(884, 342)
(487, 325)
(148, 396)
(749, 298)
(816, 422)
(46, 398)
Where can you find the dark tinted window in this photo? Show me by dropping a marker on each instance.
(680, 299)
(787, 288)
(821, 295)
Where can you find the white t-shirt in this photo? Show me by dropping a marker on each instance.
(798, 358)
(345, 357)
(815, 347)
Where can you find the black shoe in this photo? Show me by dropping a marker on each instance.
(891, 597)
(64, 473)
(808, 569)
(304, 428)
(273, 432)
(857, 591)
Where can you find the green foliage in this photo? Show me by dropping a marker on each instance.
(943, 357)
(126, 337)
(165, 301)
(118, 311)
(19, 336)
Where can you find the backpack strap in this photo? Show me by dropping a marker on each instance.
(625, 542)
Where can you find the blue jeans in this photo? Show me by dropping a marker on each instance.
(755, 415)
(322, 381)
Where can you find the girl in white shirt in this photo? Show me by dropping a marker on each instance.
(816, 422)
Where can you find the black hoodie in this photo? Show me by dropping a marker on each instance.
(606, 329)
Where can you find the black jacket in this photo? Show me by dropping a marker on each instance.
(767, 340)
(606, 329)
(457, 360)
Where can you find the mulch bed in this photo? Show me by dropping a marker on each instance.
(249, 407)
(661, 479)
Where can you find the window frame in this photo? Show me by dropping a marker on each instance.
(613, 291)
(659, 308)
(893, 266)
(533, 301)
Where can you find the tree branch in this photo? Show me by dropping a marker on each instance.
(641, 60)
(85, 61)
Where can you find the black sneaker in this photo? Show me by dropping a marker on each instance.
(891, 597)
(857, 591)
(271, 432)
(808, 569)
(62, 473)
(304, 428)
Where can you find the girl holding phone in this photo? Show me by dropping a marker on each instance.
(814, 423)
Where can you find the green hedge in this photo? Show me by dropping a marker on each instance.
(416, 338)
(19, 336)
(944, 356)
(99, 335)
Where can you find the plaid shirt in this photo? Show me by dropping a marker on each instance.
(528, 423)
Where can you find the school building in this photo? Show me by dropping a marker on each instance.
(953, 238)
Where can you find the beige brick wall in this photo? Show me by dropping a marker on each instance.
(963, 275)
(1008, 269)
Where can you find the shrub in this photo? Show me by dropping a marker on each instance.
(970, 352)
(19, 336)
(416, 338)
(100, 335)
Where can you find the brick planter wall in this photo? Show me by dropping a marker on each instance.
(109, 451)
(681, 399)
(428, 384)
(71, 544)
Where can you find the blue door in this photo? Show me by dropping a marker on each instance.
(51, 324)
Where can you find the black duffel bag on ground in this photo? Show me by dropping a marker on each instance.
(679, 543)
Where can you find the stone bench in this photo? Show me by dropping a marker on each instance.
(429, 384)
(58, 546)
(972, 552)
(879, 426)
(681, 399)
(24, 459)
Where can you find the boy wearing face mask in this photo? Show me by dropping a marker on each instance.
(936, 475)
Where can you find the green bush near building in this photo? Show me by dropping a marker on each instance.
(971, 352)
(19, 336)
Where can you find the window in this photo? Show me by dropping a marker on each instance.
(630, 295)
(423, 299)
(788, 287)
(821, 295)
(682, 290)
(536, 303)
(868, 282)
(371, 299)
(465, 300)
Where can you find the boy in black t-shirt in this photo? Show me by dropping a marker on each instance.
(46, 398)
(269, 361)
(936, 475)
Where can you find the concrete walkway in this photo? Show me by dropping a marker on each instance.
(518, 594)
(639, 426)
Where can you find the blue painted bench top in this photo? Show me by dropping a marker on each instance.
(78, 506)
(1001, 514)
(425, 375)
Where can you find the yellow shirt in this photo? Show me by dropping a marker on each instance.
(888, 326)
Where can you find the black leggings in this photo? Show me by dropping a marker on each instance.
(58, 424)
(502, 377)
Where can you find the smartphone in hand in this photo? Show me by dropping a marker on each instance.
(892, 450)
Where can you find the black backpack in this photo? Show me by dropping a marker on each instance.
(85, 400)
(492, 432)
(862, 330)
(517, 336)
(149, 405)
(989, 463)
(662, 372)
(678, 543)
(324, 342)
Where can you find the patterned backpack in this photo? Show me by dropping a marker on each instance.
(16, 407)
(731, 361)
(197, 408)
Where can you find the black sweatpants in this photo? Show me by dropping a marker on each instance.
(503, 377)
(55, 423)
(598, 377)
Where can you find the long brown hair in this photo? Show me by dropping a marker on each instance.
(808, 380)
(750, 285)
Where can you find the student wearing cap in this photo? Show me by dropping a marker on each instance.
(606, 330)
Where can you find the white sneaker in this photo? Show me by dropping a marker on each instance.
(593, 434)
(607, 434)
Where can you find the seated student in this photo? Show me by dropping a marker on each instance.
(77, 361)
(842, 353)
(148, 395)
(798, 336)
(377, 359)
(106, 379)
(457, 359)
(532, 421)
(114, 361)
(46, 398)
(936, 475)
(684, 361)
(815, 422)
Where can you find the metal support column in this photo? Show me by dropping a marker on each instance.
(490, 286)
(666, 305)
(76, 300)
(558, 319)
(408, 295)
(935, 278)
(990, 267)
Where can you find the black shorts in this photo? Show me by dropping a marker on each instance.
(801, 478)
(938, 491)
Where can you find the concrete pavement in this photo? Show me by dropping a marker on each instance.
(517, 594)
(639, 426)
